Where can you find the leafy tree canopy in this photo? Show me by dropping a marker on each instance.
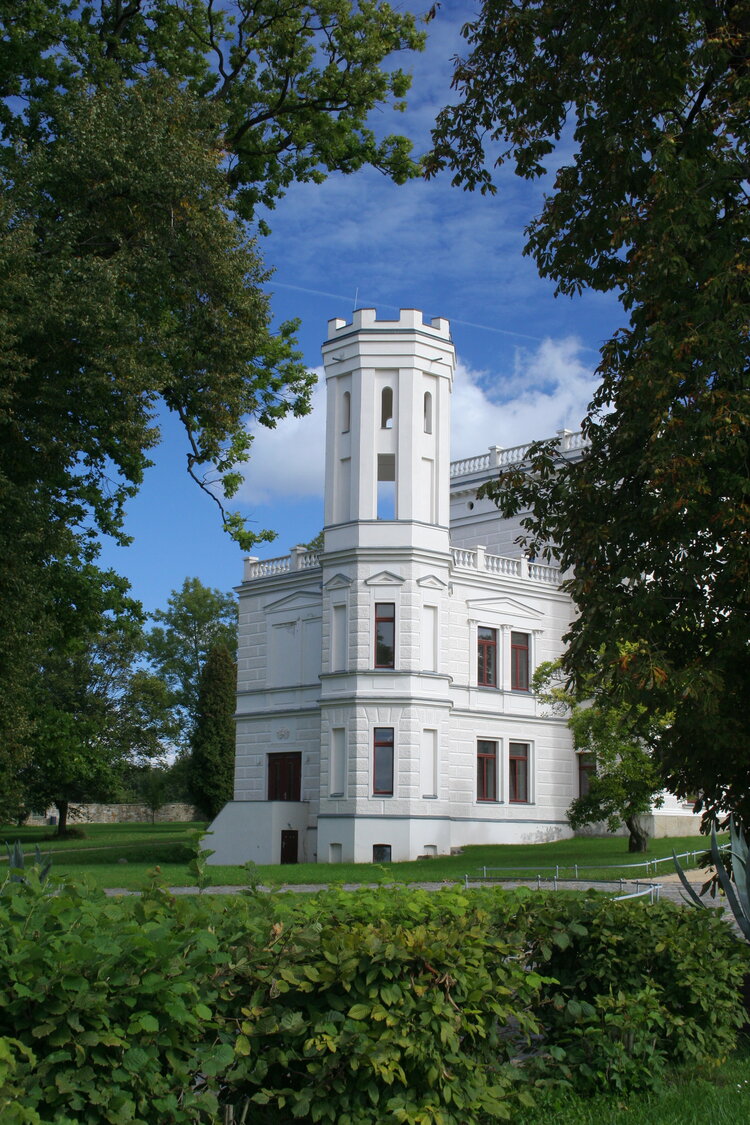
(625, 784)
(292, 81)
(643, 110)
(197, 620)
(136, 139)
(93, 713)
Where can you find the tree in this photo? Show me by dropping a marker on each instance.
(126, 292)
(653, 523)
(293, 83)
(196, 620)
(93, 715)
(625, 784)
(137, 140)
(153, 787)
(211, 772)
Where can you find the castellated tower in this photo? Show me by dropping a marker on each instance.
(384, 702)
(388, 430)
(384, 696)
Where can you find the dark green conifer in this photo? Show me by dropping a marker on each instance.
(211, 773)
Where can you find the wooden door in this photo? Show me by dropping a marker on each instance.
(289, 845)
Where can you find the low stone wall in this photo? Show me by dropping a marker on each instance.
(118, 814)
(657, 825)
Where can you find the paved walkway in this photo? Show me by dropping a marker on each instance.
(669, 887)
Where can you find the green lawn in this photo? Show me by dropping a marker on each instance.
(171, 845)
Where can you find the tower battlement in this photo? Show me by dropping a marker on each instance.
(409, 320)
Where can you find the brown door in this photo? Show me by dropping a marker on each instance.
(284, 773)
(289, 846)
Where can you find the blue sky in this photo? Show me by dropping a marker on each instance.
(525, 358)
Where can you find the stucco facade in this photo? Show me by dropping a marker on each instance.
(383, 706)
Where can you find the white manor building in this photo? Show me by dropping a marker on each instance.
(383, 702)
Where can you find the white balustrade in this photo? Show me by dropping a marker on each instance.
(299, 559)
(501, 564)
(500, 458)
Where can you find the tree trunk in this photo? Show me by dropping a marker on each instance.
(638, 841)
(62, 817)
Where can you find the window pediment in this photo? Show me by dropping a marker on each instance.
(338, 582)
(502, 609)
(304, 599)
(385, 578)
(432, 582)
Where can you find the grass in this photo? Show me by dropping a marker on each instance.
(171, 846)
(721, 1097)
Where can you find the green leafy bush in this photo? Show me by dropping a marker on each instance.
(16, 1062)
(381, 1006)
(381, 1022)
(631, 987)
(116, 1001)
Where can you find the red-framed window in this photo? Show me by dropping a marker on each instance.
(385, 635)
(486, 657)
(486, 770)
(284, 776)
(382, 762)
(518, 772)
(519, 661)
(586, 770)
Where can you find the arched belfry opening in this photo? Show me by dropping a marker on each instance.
(386, 408)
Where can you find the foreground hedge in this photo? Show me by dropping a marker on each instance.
(382, 1006)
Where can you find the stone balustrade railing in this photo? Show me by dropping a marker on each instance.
(299, 559)
(475, 559)
(478, 559)
(497, 457)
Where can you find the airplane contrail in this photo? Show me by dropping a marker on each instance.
(386, 305)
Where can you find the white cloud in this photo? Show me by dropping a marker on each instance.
(288, 461)
(548, 389)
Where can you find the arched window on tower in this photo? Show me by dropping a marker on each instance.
(386, 409)
(427, 412)
(347, 413)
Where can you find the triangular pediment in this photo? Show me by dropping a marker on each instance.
(303, 599)
(432, 582)
(385, 578)
(338, 582)
(505, 607)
